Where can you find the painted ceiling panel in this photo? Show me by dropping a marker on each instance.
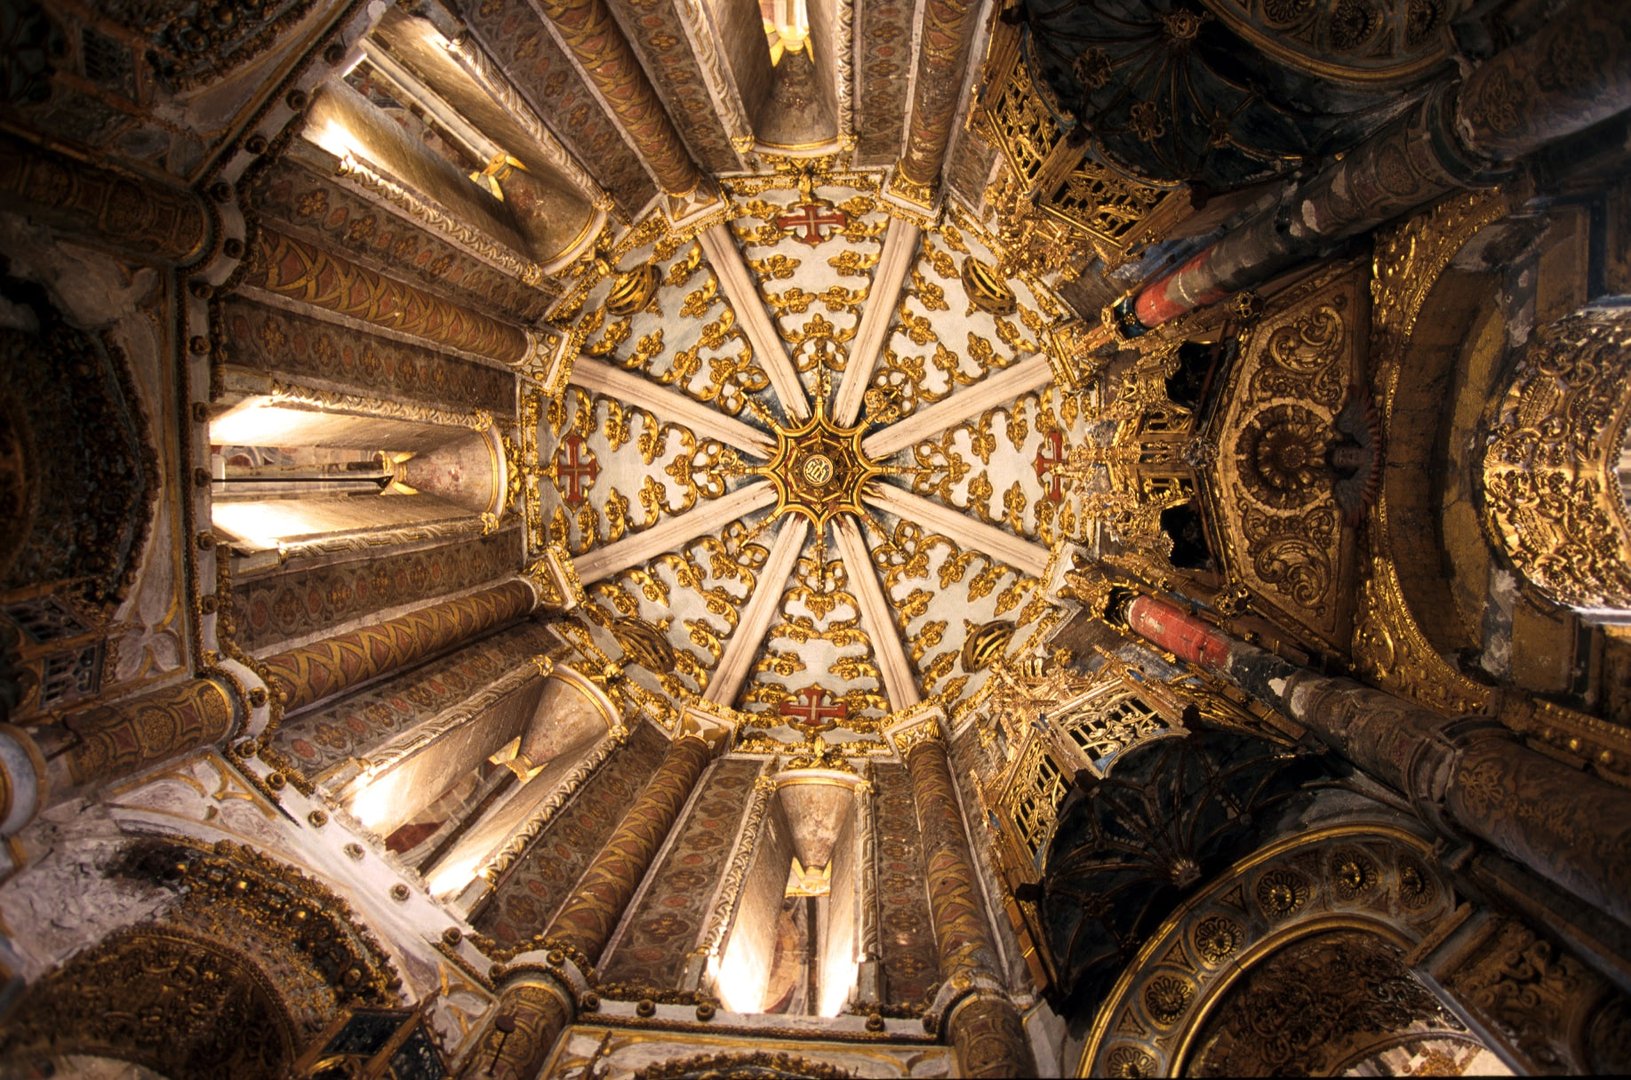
(654, 305)
(959, 320)
(940, 594)
(816, 653)
(615, 469)
(1025, 443)
(809, 657)
(813, 254)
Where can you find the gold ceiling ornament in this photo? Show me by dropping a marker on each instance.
(819, 469)
(632, 290)
(985, 643)
(987, 289)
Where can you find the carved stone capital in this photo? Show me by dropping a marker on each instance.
(924, 722)
(712, 724)
(548, 360)
(554, 578)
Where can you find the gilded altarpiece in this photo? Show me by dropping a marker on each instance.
(1272, 495)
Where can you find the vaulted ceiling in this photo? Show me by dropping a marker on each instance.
(800, 463)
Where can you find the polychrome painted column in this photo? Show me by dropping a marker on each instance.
(1574, 73)
(292, 268)
(305, 675)
(1469, 776)
(948, 28)
(981, 1023)
(588, 29)
(587, 919)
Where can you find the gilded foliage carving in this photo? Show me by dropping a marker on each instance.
(1541, 1000)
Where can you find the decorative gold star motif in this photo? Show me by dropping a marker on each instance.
(819, 468)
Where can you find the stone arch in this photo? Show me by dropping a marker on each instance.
(1417, 477)
(1369, 890)
(162, 997)
(1335, 999)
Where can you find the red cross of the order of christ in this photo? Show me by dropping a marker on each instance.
(1047, 467)
(572, 468)
(810, 217)
(813, 707)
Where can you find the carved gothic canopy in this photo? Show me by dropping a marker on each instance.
(1170, 815)
(77, 473)
(1235, 91)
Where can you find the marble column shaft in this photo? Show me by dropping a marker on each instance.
(588, 29)
(985, 1029)
(591, 913)
(309, 673)
(948, 28)
(1571, 74)
(107, 208)
(1468, 776)
(292, 268)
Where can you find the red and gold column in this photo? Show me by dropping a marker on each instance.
(588, 29)
(312, 275)
(982, 1024)
(309, 673)
(948, 28)
(586, 920)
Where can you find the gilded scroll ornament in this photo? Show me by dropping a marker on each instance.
(1281, 487)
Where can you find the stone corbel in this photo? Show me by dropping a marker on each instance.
(549, 360)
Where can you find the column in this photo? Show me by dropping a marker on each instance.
(107, 208)
(1573, 73)
(597, 42)
(1469, 776)
(947, 29)
(305, 675)
(102, 743)
(984, 1027)
(587, 919)
(869, 978)
(285, 266)
(532, 1010)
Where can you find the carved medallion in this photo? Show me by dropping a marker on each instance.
(819, 469)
